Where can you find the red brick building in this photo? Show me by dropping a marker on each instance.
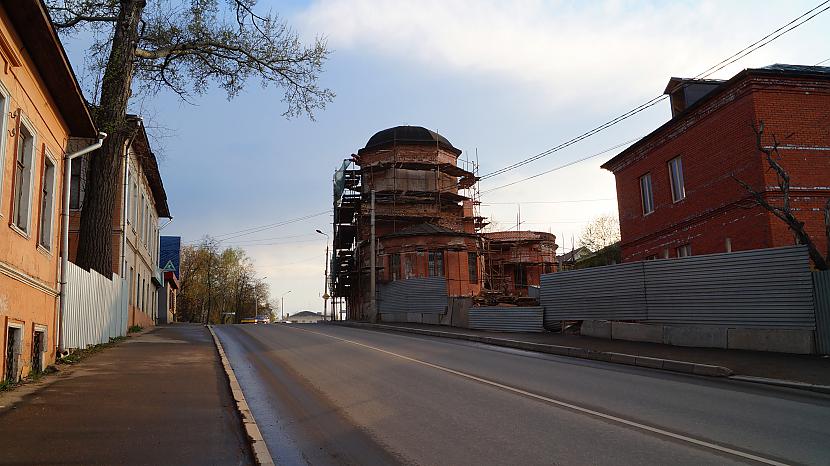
(516, 260)
(677, 190)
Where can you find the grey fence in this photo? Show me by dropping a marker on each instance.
(758, 288)
(822, 287)
(421, 295)
(507, 319)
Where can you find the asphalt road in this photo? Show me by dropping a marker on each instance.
(324, 394)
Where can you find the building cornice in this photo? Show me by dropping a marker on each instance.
(27, 279)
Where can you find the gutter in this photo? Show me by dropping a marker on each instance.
(67, 180)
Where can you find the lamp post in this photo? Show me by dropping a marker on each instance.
(282, 305)
(326, 279)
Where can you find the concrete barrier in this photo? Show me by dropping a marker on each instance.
(797, 341)
(695, 336)
(637, 332)
(596, 328)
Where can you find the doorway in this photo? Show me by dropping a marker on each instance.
(14, 338)
(38, 346)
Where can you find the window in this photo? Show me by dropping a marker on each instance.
(647, 194)
(472, 266)
(21, 203)
(47, 202)
(134, 212)
(684, 251)
(652, 257)
(75, 180)
(678, 190)
(140, 225)
(395, 266)
(436, 264)
(520, 276)
(129, 195)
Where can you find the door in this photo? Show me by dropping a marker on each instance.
(12, 354)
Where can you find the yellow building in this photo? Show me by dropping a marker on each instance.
(42, 108)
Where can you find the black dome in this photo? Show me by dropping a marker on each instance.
(408, 135)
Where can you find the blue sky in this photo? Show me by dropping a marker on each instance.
(510, 79)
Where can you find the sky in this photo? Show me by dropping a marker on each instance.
(502, 80)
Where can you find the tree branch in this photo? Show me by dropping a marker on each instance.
(82, 18)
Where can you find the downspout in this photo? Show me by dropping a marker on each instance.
(67, 180)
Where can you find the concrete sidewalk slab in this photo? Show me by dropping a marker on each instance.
(159, 398)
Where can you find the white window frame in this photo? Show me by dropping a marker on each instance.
(27, 228)
(647, 204)
(4, 127)
(684, 250)
(676, 171)
(47, 157)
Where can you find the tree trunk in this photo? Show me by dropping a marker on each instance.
(95, 237)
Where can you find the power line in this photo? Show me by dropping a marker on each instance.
(793, 24)
(823, 61)
(252, 230)
(569, 201)
(562, 166)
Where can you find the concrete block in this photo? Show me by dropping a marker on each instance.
(654, 363)
(678, 366)
(578, 352)
(599, 356)
(556, 349)
(797, 341)
(637, 332)
(596, 328)
(696, 336)
(623, 358)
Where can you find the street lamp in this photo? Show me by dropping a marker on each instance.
(282, 304)
(326, 278)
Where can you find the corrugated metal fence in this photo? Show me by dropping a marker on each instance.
(96, 308)
(507, 319)
(821, 281)
(759, 288)
(418, 296)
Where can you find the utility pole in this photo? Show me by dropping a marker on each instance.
(373, 310)
(282, 305)
(326, 279)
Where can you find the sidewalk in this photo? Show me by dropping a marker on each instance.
(158, 398)
(792, 367)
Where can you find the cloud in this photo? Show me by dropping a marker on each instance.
(557, 50)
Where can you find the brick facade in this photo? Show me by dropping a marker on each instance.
(716, 144)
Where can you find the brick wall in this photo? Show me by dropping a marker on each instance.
(716, 144)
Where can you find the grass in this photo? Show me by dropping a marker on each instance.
(7, 385)
(80, 355)
(135, 329)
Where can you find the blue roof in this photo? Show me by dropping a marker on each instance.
(170, 251)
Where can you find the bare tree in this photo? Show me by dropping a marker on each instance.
(783, 209)
(602, 232)
(184, 46)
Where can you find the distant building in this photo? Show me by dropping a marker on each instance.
(425, 225)
(568, 260)
(516, 260)
(677, 190)
(41, 109)
(304, 317)
(170, 248)
(141, 201)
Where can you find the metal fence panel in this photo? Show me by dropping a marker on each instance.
(95, 308)
(415, 295)
(507, 319)
(613, 292)
(759, 288)
(821, 282)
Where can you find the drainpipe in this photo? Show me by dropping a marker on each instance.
(67, 180)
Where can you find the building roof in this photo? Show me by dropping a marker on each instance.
(30, 20)
(407, 135)
(150, 166)
(776, 70)
(306, 314)
(426, 229)
(519, 236)
(575, 254)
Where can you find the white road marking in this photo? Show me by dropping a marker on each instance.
(564, 404)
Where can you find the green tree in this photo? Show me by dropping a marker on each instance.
(184, 46)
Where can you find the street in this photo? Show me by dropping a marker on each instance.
(325, 394)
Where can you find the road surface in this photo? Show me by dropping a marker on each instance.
(325, 394)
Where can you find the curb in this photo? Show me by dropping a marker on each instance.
(582, 353)
(783, 383)
(261, 454)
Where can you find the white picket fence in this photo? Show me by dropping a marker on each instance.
(96, 308)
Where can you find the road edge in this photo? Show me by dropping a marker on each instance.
(260, 449)
(581, 353)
